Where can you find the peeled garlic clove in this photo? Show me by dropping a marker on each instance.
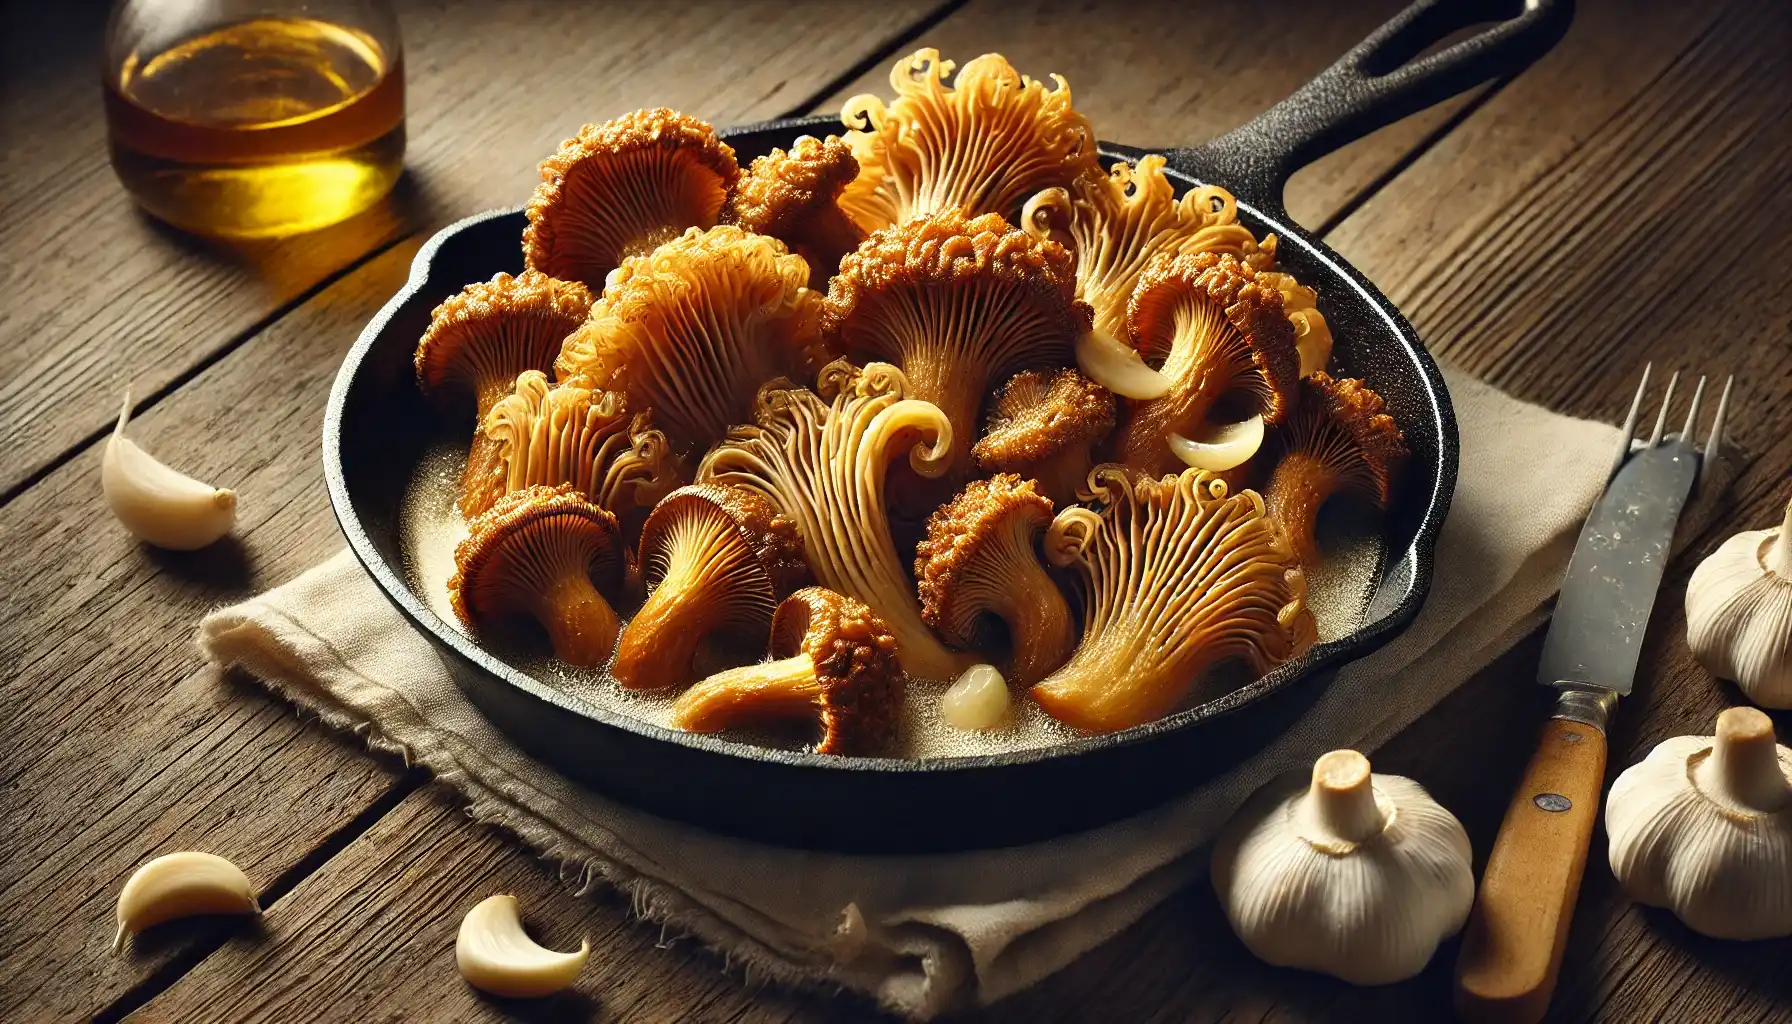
(978, 700)
(1359, 876)
(1118, 368)
(496, 956)
(1739, 613)
(1703, 827)
(157, 504)
(1224, 447)
(182, 885)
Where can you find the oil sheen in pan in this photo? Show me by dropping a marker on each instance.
(430, 527)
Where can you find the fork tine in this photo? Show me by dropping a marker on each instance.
(1715, 443)
(1692, 412)
(1636, 405)
(1661, 418)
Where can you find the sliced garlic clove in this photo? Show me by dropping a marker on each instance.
(182, 885)
(496, 956)
(157, 504)
(1118, 368)
(1224, 447)
(977, 701)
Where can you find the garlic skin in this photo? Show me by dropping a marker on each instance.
(1358, 876)
(1739, 613)
(496, 956)
(181, 885)
(979, 700)
(157, 504)
(1703, 827)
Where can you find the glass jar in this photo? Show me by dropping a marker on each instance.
(232, 118)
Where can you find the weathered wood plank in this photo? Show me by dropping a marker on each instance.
(99, 292)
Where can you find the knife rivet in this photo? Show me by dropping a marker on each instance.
(1555, 803)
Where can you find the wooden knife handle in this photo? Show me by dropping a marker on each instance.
(1512, 948)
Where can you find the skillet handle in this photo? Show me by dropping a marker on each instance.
(1373, 86)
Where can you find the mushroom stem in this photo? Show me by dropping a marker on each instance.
(657, 648)
(1062, 475)
(957, 389)
(581, 625)
(1039, 625)
(769, 691)
(1744, 766)
(1298, 487)
(1778, 558)
(826, 237)
(1342, 797)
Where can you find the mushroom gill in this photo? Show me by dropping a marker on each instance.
(715, 559)
(1045, 424)
(795, 197)
(956, 302)
(690, 331)
(1178, 578)
(478, 341)
(822, 462)
(978, 559)
(1339, 439)
(834, 662)
(980, 145)
(621, 188)
(543, 554)
(1221, 337)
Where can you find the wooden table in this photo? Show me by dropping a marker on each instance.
(1624, 200)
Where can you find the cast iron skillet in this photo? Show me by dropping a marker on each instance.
(377, 424)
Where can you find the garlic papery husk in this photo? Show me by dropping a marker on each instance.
(1739, 613)
(157, 504)
(1223, 447)
(1703, 827)
(1358, 876)
(495, 955)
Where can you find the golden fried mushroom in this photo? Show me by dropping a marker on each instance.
(834, 663)
(1045, 425)
(981, 145)
(822, 462)
(1220, 336)
(543, 554)
(1179, 577)
(978, 559)
(715, 559)
(621, 188)
(1340, 439)
(795, 198)
(478, 341)
(690, 331)
(956, 302)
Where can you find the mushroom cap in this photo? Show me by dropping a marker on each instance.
(691, 330)
(617, 189)
(775, 566)
(1249, 331)
(982, 144)
(1038, 414)
(783, 189)
(1345, 425)
(515, 550)
(962, 565)
(855, 662)
(481, 337)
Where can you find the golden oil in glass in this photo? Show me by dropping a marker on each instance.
(262, 128)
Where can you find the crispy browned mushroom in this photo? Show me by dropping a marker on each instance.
(1220, 336)
(716, 559)
(980, 145)
(957, 303)
(545, 554)
(621, 188)
(834, 663)
(822, 461)
(478, 341)
(1339, 439)
(1045, 425)
(1179, 577)
(795, 197)
(978, 559)
(690, 331)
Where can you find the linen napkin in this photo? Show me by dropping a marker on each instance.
(931, 933)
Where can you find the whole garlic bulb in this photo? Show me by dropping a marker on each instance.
(1703, 827)
(1358, 876)
(1739, 613)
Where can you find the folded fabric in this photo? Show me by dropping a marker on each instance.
(926, 934)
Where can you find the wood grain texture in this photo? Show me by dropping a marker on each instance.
(101, 293)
